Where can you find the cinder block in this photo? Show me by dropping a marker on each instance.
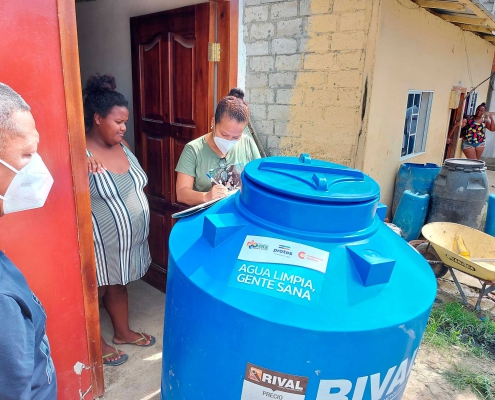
(288, 63)
(350, 60)
(256, 80)
(280, 128)
(348, 40)
(261, 96)
(322, 23)
(258, 112)
(348, 97)
(278, 112)
(290, 27)
(248, 3)
(284, 96)
(321, 6)
(264, 128)
(353, 21)
(315, 44)
(313, 79)
(262, 30)
(273, 142)
(284, 46)
(349, 79)
(261, 64)
(285, 9)
(255, 14)
(305, 7)
(259, 48)
(306, 114)
(319, 97)
(349, 5)
(282, 79)
(319, 61)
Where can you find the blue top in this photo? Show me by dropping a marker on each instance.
(312, 180)
(26, 366)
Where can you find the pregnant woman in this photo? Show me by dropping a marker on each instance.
(120, 211)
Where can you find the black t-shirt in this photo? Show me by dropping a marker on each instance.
(26, 366)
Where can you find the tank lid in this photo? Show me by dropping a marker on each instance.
(316, 180)
(464, 164)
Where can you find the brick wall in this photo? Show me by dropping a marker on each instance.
(305, 74)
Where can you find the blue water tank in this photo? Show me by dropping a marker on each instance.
(418, 178)
(293, 289)
(411, 214)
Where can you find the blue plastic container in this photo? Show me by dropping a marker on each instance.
(490, 216)
(418, 178)
(293, 289)
(411, 214)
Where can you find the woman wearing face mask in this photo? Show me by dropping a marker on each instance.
(211, 166)
(119, 208)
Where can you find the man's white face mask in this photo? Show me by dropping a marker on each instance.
(29, 188)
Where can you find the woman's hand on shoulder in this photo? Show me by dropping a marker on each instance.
(216, 192)
(95, 166)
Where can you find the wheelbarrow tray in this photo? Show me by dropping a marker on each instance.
(479, 244)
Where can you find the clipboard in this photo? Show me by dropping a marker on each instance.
(201, 207)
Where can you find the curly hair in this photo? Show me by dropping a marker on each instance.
(101, 97)
(233, 106)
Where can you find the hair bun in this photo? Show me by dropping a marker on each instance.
(236, 92)
(100, 83)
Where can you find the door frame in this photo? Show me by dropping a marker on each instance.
(77, 145)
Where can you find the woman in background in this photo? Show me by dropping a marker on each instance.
(473, 132)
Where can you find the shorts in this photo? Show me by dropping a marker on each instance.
(466, 145)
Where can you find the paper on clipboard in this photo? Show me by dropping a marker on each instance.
(200, 207)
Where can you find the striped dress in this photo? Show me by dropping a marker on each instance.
(121, 219)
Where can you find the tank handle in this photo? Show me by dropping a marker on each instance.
(318, 171)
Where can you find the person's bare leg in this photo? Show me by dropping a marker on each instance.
(479, 151)
(116, 304)
(470, 153)
(105, 347)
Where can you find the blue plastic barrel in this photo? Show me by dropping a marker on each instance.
(418, 178)
(490, 216)
(411, 214)
(293, 289)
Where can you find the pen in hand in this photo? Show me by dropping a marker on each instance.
(213, 180)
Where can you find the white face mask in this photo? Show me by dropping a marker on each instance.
(224, 145)
(29, 188)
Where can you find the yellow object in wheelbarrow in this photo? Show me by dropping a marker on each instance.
(460, 248)
(481, 247)
(449, 239)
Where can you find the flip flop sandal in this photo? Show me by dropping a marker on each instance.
(123, 358)
(151, 343)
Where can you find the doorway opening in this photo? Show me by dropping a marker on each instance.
(456, 115)
(158, 51)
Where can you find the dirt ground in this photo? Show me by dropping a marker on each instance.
(427, 380)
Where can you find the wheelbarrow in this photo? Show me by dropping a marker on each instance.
(443, 254)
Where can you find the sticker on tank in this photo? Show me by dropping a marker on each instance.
(260, 383)
(287, 270)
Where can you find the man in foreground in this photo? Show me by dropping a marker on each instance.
(26, 366)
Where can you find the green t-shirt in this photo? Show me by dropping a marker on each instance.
(198, 159)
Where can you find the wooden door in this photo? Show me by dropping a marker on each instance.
(173, 92)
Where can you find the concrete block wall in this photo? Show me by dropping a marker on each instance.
(305, 74)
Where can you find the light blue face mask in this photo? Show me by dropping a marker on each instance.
(30, 187)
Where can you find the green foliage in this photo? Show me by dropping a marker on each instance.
(453, 324)
(481, 384)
